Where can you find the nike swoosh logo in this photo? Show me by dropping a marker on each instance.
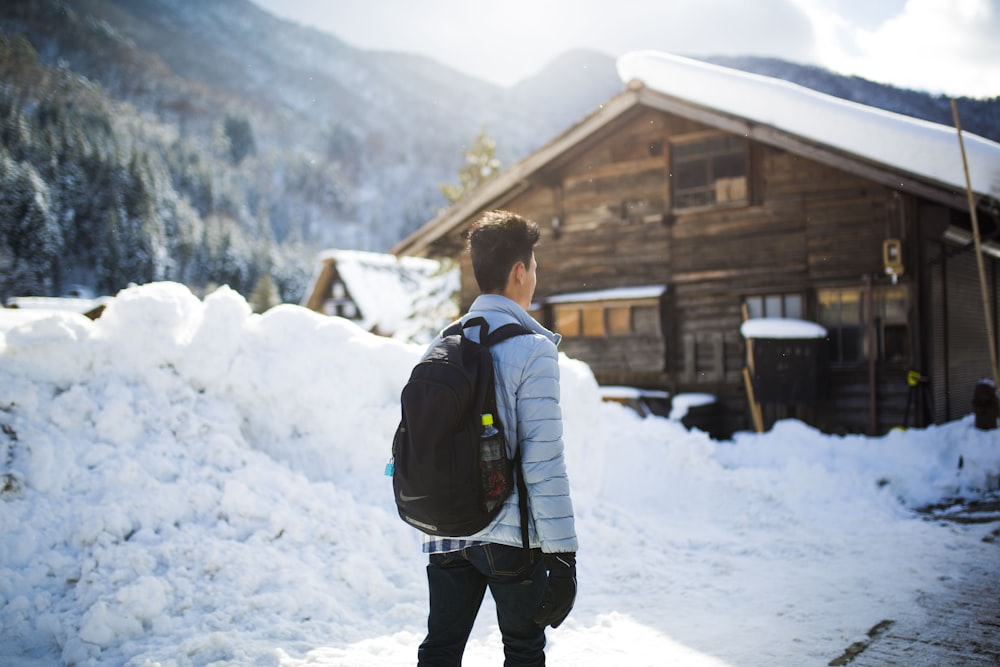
(409, 499)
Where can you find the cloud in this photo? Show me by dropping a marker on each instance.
(944, 46)
(949, 46)
(507, 41)
(701, 27)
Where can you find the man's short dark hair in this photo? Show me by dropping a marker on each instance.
(498, 241)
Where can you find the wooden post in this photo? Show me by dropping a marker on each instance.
(755, 413)
(758, 418)
(984, 289)
(872, 337)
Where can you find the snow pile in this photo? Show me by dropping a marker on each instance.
(186, 483)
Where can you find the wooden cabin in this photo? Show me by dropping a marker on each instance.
(407, 297)
(700, 197)
(92, 308)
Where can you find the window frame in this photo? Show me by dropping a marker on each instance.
(883, 298)
(609, 319)
(783, 305)
(568, 321)
(714, 183)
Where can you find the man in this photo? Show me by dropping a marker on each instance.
(529, 593)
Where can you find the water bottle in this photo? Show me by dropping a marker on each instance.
(492, 462)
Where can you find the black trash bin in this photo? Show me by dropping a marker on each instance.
(791, 370)
(985, 405)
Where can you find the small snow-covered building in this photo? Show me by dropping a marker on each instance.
(410, 298)
(92, 307)
(700, 197)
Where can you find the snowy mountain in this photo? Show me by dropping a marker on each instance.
(276, 134)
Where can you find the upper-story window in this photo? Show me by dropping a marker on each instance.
(709, 171)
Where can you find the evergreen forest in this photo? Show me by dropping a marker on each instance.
(212, 143)
(94, 194)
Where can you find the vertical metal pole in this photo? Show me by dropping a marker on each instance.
(984, 288)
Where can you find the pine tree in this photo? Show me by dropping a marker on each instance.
(264, 295)
(108, 255)
(240, 136)
(30, 238)
(480, 164)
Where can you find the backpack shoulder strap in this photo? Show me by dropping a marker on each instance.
(459, 327)
(507, 331)
(486, 336)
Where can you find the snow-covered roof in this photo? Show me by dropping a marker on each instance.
(623, 392)
(71, 304)
(916, 146)
(614, 294)
(15, 317)
(388, 290)
(896, 150)
(781, 327)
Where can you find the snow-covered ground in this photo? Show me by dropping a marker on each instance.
(185, 483)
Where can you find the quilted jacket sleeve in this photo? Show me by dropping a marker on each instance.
(539, 431)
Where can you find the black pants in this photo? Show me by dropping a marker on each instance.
(457, 583)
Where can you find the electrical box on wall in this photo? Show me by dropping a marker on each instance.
(892, 257)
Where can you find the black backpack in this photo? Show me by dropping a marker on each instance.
(436, 476)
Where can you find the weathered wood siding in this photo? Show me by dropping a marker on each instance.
(808, 226)
(606, 219)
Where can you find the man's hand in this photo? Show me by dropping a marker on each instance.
(561, 592)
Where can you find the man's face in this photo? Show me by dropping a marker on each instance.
(531, 279)
(521, 283)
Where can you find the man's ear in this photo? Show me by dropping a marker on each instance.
(517, 273)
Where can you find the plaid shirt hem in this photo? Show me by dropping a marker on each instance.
(443, 545)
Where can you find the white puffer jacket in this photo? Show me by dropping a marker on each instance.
(527, 379)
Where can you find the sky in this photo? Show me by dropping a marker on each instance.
(185, 483)
(947, 47)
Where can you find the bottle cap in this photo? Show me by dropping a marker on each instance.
(487, 419)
